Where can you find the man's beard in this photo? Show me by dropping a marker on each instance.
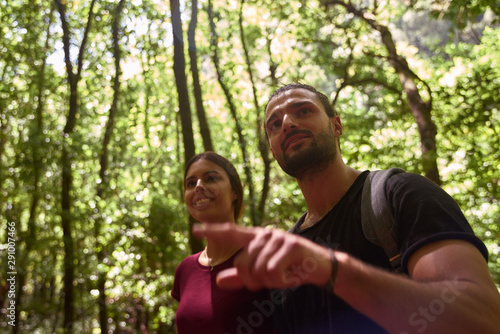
(312, 159)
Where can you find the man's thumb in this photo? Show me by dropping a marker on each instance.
(229, 279)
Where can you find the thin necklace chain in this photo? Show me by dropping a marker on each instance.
(222, 260)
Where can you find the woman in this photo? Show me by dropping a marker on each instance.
(214, 194)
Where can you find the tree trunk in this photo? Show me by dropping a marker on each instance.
(420, 109)
(66, 222)
(4, 130)
(184, 108)
(66, 158)
(147, 104)
(200, 110)
(101, 248)
(36, 141)
(232, 108)
(263, 148)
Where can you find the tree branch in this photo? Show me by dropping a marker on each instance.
(84, 40)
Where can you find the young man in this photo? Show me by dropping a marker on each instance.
(350, 289)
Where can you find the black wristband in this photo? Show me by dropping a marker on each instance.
(333, 275)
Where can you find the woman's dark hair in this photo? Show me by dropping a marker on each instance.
(231, 172)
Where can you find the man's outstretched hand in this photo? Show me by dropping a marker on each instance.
(270, 258)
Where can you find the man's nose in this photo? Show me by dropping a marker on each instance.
(288, 123)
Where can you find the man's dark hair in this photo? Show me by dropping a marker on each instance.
(325, 101)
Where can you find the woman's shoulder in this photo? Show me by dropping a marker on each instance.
(192, 258)
(183, 271)
(189, 262)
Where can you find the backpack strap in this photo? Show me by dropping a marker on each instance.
(376, 216)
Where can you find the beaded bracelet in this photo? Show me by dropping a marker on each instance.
(333, 275)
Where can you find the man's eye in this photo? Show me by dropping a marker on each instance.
(190, 184)
(305, 111)
(274, 125)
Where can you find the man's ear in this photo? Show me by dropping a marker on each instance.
(336, 125)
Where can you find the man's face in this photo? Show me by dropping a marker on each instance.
(301, 135)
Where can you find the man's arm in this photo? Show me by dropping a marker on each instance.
(449, 290)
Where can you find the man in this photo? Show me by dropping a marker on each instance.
(448, 288)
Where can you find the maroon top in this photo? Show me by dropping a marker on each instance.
(205, 308)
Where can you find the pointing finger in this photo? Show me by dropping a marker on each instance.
(225, 232)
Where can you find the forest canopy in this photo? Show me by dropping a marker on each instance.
(103, 102)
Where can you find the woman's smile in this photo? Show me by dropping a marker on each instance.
(208, 192)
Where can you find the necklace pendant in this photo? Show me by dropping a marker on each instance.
(211, 268)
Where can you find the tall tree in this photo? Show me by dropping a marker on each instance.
(420, 108)
(183, 97)
(232, 108)
(66, 160)
(263, 147)
(193, 57)
(103, 172)
(36, 144)
(126, 146)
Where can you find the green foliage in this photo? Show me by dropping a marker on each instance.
(469, 121)
(135, 232)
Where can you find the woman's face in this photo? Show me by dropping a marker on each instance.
(208, 192)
